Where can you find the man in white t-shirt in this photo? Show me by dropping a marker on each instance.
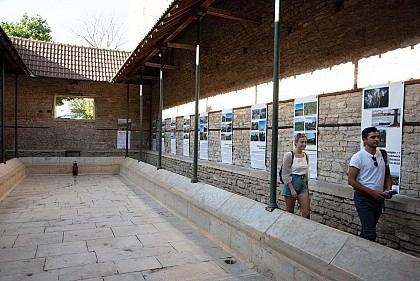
(368, 175)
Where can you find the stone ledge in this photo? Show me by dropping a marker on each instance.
(63, 165)
(282, 245)
(11, 173)
(398, 202)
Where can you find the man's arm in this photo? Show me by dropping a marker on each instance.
(352, 180)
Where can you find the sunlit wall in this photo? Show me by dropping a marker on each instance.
(397, 65)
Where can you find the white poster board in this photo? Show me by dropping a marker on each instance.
(306, 121)
(186, 137)
(204, 136)
(163, 135)
(121, 139)
(258, 135)
(382, 107)
(173, 135)
(154, 142)
(226, 136)
(121, 133)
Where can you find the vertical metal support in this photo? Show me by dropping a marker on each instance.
(159, 162)
(127, 106)
(150, 116)
(274, 138)
(141, 116)
(194, 178)
(16, 117)
(3, 144)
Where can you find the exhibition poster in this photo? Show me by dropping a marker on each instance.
(258, 136)
(226, 136)
(122, 133)
(204, 136)
(306, 122)
(186, 137)
(173, 135)
(382, 107)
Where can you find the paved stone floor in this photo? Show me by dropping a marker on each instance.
(103, 228)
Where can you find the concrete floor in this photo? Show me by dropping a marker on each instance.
(103, 228)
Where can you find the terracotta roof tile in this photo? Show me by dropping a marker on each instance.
(49, 59)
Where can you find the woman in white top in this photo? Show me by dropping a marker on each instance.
(295, 177)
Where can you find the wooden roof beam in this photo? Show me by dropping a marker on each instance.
(157, 65)
(181, 46)
(230, 15)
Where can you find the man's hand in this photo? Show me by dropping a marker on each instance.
(378, 195)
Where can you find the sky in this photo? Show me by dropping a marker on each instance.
(62, 15)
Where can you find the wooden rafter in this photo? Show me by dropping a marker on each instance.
(230, 15)
(181, 46)
(157, 65)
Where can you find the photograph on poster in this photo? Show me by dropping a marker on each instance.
(229, 127)
(173, 122)
(311, 139)
(263, 113)
(382, 137)
(299, 109)
(310, 123)
(256, 114)
(376, 98)
(186, 129)
(204, 119)
(186, 137)
(261, 125)
(262, 135)
(173, 136)
(395, 178)
(310, 108)
(227, 117)
(254, 136)
(254, 126)
(386, 117)
(299, 124)
(228, 136)
(223, 129)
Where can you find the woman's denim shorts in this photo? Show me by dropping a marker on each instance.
(299, 184)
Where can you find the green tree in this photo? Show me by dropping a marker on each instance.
(82, 107)
(28, 27)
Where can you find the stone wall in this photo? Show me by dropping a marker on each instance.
(338, 137)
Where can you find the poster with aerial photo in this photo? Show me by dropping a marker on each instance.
(306, 122)
(382, 107)
(173, 135)
(258, 136)
(226, 136)
(204, 136)
(186, 137)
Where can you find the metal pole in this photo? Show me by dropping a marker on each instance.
(141, 116)
(16, 117)
(274, 140)
(194, 178)
(159, 162)
(126, 116)
(150, 116)
(3, 146)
